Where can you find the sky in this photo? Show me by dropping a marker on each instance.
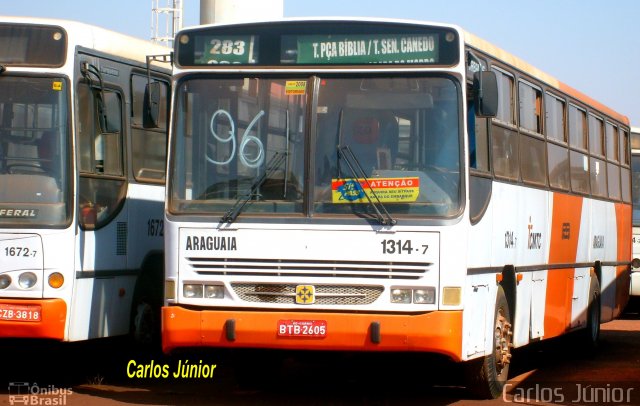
(591, 45)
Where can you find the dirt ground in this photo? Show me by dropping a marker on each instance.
(109, 372)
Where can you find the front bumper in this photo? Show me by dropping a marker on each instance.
(51, 324)
(437, 332)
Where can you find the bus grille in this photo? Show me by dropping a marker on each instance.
(309, 268)
(324, 294)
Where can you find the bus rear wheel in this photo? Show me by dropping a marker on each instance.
(487, 376)
(587, 339)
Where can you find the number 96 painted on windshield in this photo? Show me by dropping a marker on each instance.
(400, 247)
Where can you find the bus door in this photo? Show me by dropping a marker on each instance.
(102, 212)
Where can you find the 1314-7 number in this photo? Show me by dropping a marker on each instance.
(402, 247)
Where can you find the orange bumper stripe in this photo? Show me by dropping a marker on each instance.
(438, 332)
(51, 324)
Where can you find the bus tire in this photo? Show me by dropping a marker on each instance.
(589, 337)
(146, 304)
(487, 376)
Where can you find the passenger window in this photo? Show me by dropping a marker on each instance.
(505, 152)
(613, 181)
(533, 164)
(559, 174)
(598, 177)
(555, 118)
(613, 138)
(579, 172)
(578, 136)
(596, 136)
(530, 107)
(506, 98)
(624, 147)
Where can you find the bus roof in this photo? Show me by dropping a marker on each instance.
(470, 39)
(98, 38)
(504, 56)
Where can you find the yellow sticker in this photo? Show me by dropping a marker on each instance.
(295, 87)
(387, 190)
(57, 86)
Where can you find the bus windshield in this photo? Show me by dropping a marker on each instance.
(34, 180)
(392, 141)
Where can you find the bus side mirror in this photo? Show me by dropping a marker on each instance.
(151, 105)
(485, 90)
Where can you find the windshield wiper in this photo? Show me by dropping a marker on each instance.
(270, 168)
(382, 215)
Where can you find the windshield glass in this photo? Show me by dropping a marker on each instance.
(239, 140)
(34, 181)
(377, 144)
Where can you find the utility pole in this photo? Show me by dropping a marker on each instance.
(227, 11)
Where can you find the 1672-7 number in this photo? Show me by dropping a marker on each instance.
(402, 247)
(19, 252)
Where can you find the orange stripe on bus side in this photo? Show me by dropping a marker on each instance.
(623, 279)
(565, 230)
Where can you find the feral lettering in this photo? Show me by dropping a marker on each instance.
(13, 213)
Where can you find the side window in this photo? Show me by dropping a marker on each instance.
(555, 114)
(530, 99)
(578, 135)
(102, 184)
(613, 140)
(557, 151)
(596, 136)
(598, 167)
(149, 145)
(532, 166)
(579, 144)
(506, 99)
(624, 147)
(504, 137)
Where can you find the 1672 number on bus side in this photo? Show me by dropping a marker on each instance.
(402, 247)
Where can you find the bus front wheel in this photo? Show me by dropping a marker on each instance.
(487, 376)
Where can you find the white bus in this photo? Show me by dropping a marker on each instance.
(635, 170)
(384, 185)
(81, 181)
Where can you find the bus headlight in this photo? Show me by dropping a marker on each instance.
(425, 295)
(190, 291)
(214, 292)
(56, 280)
(5, 281)
(27, 280)
(400, 295)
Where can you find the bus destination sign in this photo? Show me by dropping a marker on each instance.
(227, 50)
(365, 49)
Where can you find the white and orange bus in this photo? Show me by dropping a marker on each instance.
(81, 181)
(385, 185)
